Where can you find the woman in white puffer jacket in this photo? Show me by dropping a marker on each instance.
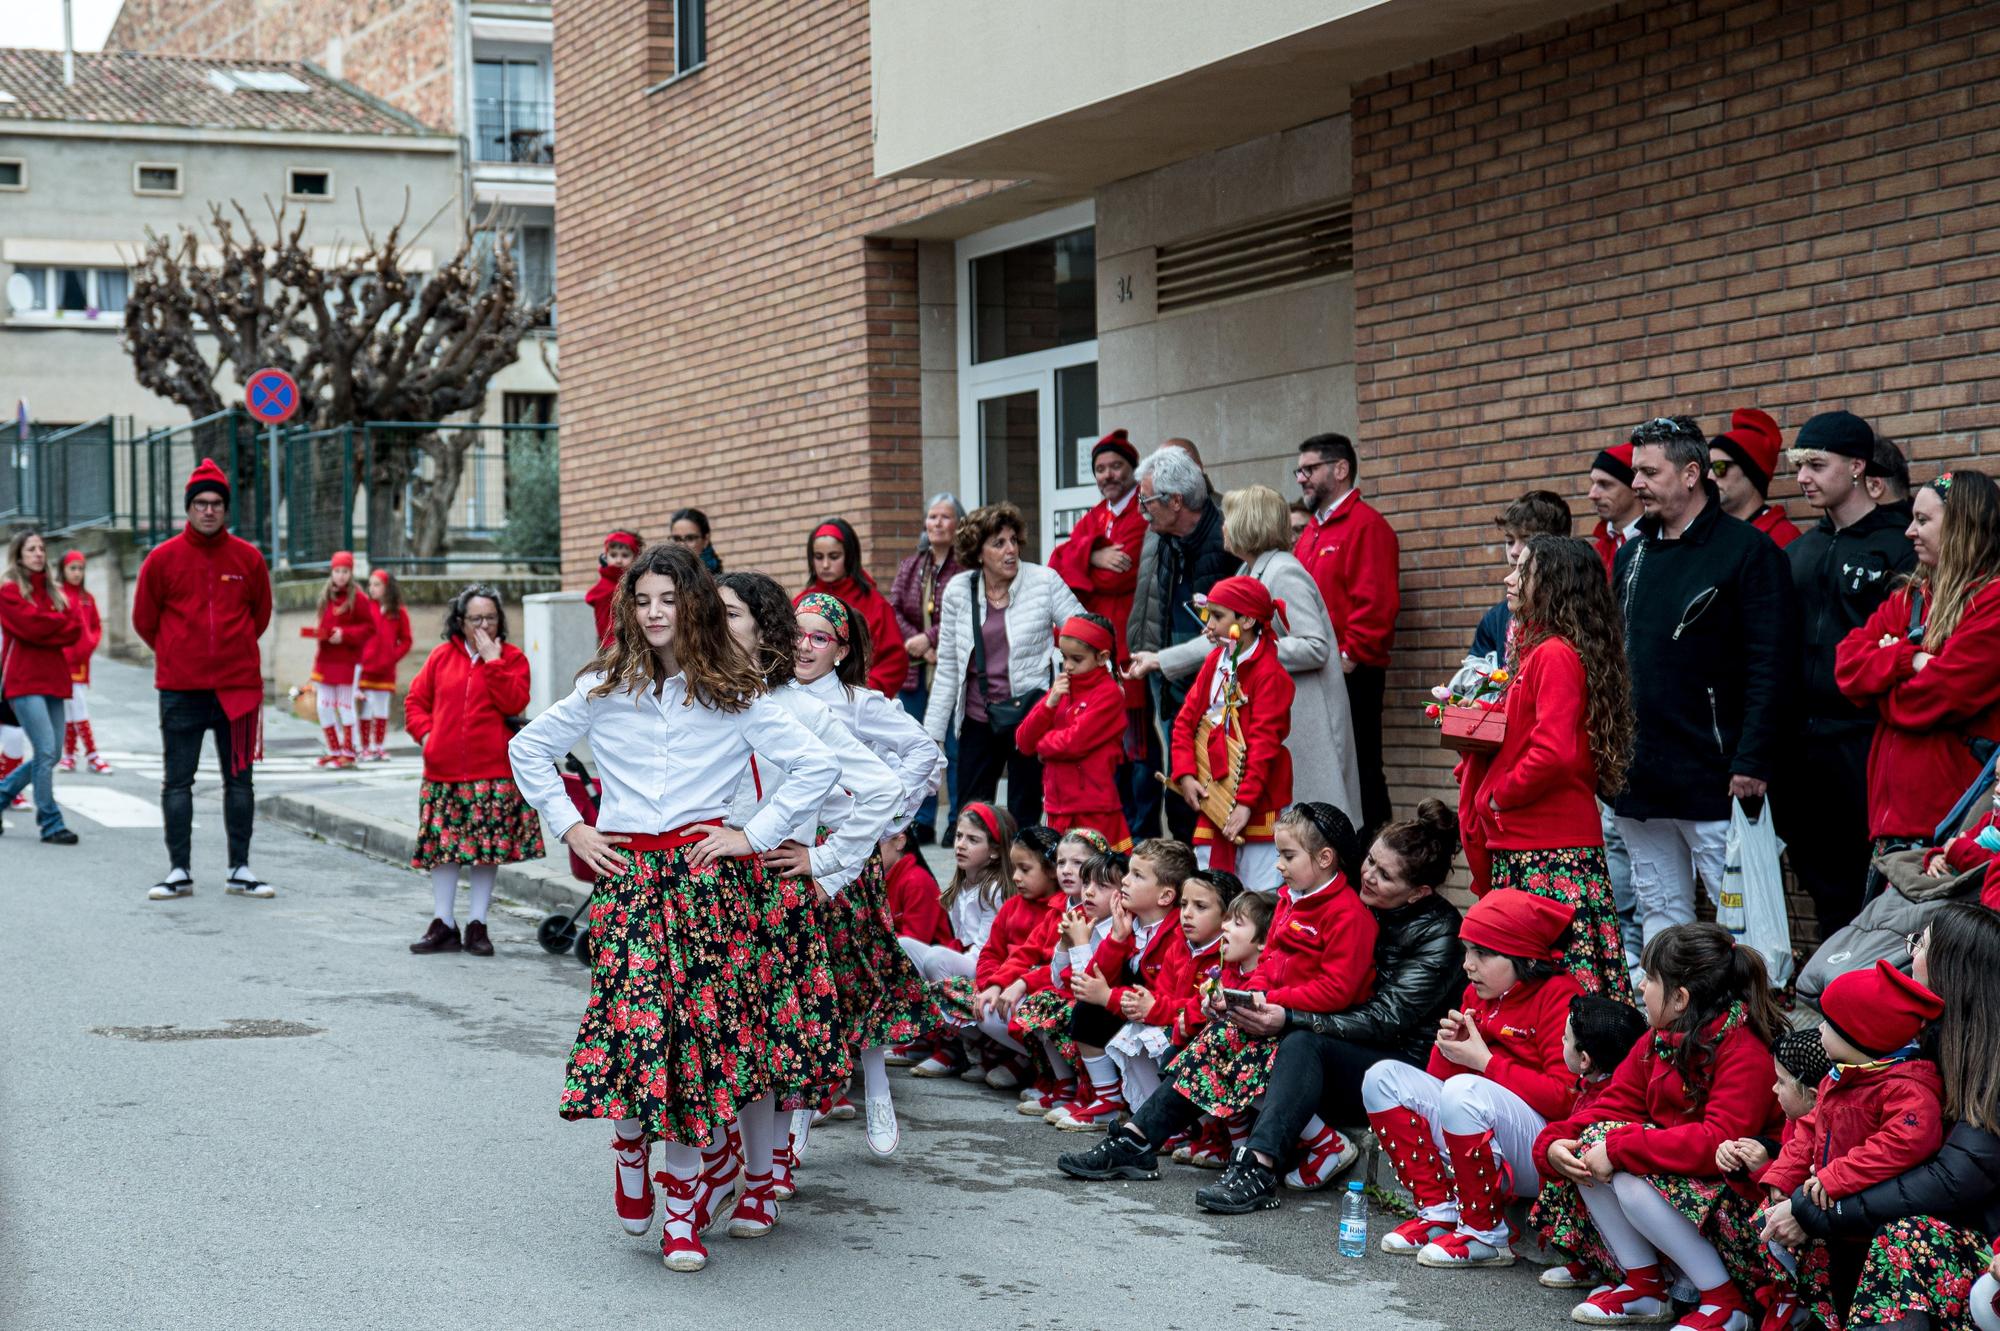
(1012, 610)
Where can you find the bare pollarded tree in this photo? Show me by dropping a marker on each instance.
(367, 338)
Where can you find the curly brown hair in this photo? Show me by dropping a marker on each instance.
(719, 674)
(1565, 595)
(981, 525)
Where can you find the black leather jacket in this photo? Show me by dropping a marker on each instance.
(1960, 1185)
(1418, 976)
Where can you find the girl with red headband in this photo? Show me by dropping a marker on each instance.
(1461, 1132)
(1077, 731)
(76, 727)
(674, 1035)
(346, 622)
(1244, 693)
(979, 886)
(833, 561)
(379, 656)
(620, 549)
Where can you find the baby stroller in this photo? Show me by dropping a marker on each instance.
(559, 933)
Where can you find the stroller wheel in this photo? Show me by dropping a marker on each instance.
(584, 952)
(557, 934)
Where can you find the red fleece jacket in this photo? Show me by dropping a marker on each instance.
(31, 659)
(1266, 718)
(1080, 740)
(1543, 779)
(355, 619)
(1524, 1030)
(1165, 967)
(1869, 1126)
(1320, 953)
(598, 598)
(1353, 557)
(914, 905)
(1023, 938)
(385, 649)
(78, 653)
(458, 709)
(1102, 591)
(201, 603)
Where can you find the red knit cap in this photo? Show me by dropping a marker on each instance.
(73, 557)
(1245, 596)
(1517, 924)
(206, 479)
(1754, 441)
(1116, 442)
(1878, 1011)
(341, 559)
(1615, 461)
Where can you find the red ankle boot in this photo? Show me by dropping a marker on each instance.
(1406, 1137)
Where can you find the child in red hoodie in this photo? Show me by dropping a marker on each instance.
(1599, 1035)
(915, 904)
(1078, 733)
(1460, 1131)
(1646, 1146)
(1878, 1114)
(347, 620)
(76, 726)
(1021, 941)
(1242, 690)
(620, 549)
(1147, 1038)
(1041, 1020)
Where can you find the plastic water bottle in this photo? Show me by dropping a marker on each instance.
(1354, 1222)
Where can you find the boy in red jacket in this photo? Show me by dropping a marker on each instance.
(1244, 692)
(1078, 732)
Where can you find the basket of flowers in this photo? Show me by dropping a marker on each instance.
(1467, 711)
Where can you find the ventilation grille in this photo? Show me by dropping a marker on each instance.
(1272, 252)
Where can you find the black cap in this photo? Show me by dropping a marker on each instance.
(1840, 432)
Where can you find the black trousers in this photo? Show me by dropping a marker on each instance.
(1092, 1025)
(185, 716)
(1365, 685)
(1312, 1074)
(984, 753)
(1820, 801)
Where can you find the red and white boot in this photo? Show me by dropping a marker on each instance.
(67, 763)
(1720, 1309)
(1322, 1157)
(1054, 1094)
(756, 1210)
(1100, 1114)
(1484, 1183)
(1639, 1300)
(347, 754)
(332, 757)
(632, 1184)
(89, 740)
(784, 1168)
(1407, 1139)
(681, 1248)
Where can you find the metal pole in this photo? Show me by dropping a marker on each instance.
(271, 518)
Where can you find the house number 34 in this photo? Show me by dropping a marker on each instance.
(1124, 289)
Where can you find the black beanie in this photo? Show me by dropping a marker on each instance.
(1840, 432)
(1801, 1054)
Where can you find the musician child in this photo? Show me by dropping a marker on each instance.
(1229, 756)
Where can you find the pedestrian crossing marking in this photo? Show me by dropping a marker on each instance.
(107, 807)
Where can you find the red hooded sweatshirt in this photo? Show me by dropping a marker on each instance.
(1080, 740)
(355, 618)
(914, 905)
(1102, 591)
(1164, 967)
(1320, 954)
(1353, 558)
(385, 649)
(1022, 940)
(201, 603)
(1544, 779)
(598, 598)
(78, 653)
(31, 659)
(1867, 1125)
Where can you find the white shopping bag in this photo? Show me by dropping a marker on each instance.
(1752, 907)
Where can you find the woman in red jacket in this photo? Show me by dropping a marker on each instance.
(833, 561)
(1528, 813)
(346, 623)
(471, 813)
(36, 624)
(1928, 662)
(78, 654)
(386, 646)
(1641, 1158)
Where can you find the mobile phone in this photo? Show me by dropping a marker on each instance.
(1240, 997)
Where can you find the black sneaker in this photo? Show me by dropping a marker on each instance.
(62, 836)
(1119, 1155)
(1245, 1186)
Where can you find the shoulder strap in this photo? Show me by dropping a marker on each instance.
(978, 635)
(1916, 633)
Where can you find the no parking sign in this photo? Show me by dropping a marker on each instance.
(272, 396)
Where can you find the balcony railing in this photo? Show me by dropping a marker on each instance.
(518, 132)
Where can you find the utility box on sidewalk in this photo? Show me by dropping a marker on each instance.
(559, 634)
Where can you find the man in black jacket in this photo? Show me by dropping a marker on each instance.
(1707, 636)
(1842, 568)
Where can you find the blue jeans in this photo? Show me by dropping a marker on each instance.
(914, 701)
(42, 719)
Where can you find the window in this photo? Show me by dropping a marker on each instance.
(13, 173)
(308, 183)
(156, 178)
(535, 257)
(528, 408)
(1035, 297)
(514, 112)
(255, 80)
(85, 293)
(690, 36)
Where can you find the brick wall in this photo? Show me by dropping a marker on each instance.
(733, 338)
(399, 50)
(1661, 208)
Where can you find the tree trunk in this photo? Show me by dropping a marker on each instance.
(432, 498)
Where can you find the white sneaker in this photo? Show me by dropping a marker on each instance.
(883, 1134)
(170, 889)
(249, 885)
(802, 1126)
(1001, 1077)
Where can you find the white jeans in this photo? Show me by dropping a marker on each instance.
(934, 961)
(1667, 856)
(1256, 865)
(1464, 1107)
(78, 708)
(375, 704)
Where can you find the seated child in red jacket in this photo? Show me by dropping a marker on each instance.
(1145, 948)
(914, 904)
(1977, 845)
(1041, 1020)
(1246, 925)
(1078, 732)
(1646, 1145)
(1147, 1036)
(1461, 1131)
(1242, 690)
(1800, 1064)
(1022, 939)
(1878, 1114)
(1599, 1035)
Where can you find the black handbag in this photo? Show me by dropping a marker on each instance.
(1001, 713)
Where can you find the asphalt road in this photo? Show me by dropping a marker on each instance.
(221, 1113)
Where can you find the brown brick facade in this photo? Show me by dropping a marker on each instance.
(733, 336)
(1661, 208)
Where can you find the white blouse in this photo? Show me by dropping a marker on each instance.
(891, 733)
(856, 813)
(971, 917)
(665, 762)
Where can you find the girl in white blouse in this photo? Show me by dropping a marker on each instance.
(883, 1000)
(675, 1034)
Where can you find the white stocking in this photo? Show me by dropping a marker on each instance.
(1142, 1078)
(444, 892)
(481, 877)
(1627, 1244)
(759, 1125)
(995, 1027)
(1057, 1063)
(1669, 1231)
(78, 707)
(681, 1162)
(329, 714)
(874, 1074)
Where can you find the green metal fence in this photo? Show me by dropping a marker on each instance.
(62, 478)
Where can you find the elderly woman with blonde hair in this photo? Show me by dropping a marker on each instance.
(1256, 528)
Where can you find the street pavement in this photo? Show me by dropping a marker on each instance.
(223, 1113)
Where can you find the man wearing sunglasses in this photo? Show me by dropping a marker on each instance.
(1742, 462)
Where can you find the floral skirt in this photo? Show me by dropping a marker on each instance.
(953, 995)
(1920, 1265)
(1811, 1277)
(1577, 876)
(1045, 1013)
(1723, 1216)
(883, 999)
(475, 822)
(1223, 1070)
(800, 1006)
(673, 1031)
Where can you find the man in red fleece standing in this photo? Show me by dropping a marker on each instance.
(202, 600)
(1352, 555)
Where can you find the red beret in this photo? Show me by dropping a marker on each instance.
(1754, 441)
(1117, 442)
(1617, 461)
(1517, 924)
(1878, 1011)
(1247, 597)
(341, 559)
(207, 478)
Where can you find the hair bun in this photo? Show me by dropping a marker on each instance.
(1440, 821)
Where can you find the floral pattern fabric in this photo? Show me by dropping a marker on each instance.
(1223, 1070)
(1920, 1265)
(1578, 877)
(475, 822)
(883, 999)
(794, 975)
(1046, 1013)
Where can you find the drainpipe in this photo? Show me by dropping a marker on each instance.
(69, 49)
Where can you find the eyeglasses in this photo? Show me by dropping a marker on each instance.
(482, 619)
(1147, 501)
(817, 640)
(1915, 941)
(209, 505)
(1721, 467)
(1304, 473)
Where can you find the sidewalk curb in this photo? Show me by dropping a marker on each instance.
(386, 839)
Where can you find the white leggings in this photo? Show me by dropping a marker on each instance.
(934, 961)
(444, 890)
(994, 1027)
(336, 704)
(375, 703)
(78, 707)
(1639, 1225)
(1985, 1315)
(1464, 1106)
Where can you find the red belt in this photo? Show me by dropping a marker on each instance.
(674, 840)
